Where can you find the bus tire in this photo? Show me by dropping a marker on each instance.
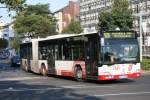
(43, 70)
(78, 74)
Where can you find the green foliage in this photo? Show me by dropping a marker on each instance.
(39, 9)
(145, 64)
(13, 4)
(120, 16)
(16, 43)
(73, 28)
(35, 21)
(106, 21)
(3, 43)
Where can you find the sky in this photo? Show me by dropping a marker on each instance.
(54, 6)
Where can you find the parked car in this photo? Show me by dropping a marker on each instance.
(15, 61)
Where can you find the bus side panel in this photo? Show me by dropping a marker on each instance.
(64, 68)
(35, 66)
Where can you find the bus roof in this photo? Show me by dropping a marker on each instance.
(59, 36)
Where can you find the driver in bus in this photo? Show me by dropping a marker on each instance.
(110, 55)
(113, 57)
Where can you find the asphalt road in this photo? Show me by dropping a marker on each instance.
(16, 84)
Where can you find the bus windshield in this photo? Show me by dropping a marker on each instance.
(120, 51)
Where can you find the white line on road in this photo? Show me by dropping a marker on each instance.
(19, 78)
(59, 88)
(120, 94)
(26, 89)
(83, 86)
(11, 89)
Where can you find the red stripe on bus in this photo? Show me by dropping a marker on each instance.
(67, 73)
(116, 77)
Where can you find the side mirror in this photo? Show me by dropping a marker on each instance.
(99, 64)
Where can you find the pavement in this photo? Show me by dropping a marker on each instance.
(16, 84)
(143, 72)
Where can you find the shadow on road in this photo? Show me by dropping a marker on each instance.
(121, 81)
(7, 67)
(21, 91)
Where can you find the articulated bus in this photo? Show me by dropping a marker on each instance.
(110, 55)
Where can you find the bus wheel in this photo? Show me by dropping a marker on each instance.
(78, 74)
(43, 70)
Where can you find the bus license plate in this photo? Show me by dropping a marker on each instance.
(123, 76)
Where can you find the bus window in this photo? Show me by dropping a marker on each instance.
(65, 55)
(110, 55)
(78, 53)
(43, 53)
(58, 52)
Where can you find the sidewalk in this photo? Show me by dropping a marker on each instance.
(143, 72)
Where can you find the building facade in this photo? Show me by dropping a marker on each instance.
(90, 9)
(6, 31)
(66, 14)
(1, 29)
(141, 8)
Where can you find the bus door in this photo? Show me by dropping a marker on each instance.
(91, 59)
(29, 55)
(51, 58)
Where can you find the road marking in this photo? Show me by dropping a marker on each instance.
(83, 86)
(59, 88)
(11, 89)
(120, 94)
(27, 89)
(19, 78)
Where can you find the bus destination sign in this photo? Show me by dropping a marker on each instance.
(119, 35)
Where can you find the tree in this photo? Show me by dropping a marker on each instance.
(105, 21)
(13, 4)
(3, 43)
(120, 16)
(39, 9)
(35, 21)
(73, 27)
(16, 44)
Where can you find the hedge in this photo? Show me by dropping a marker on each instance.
(145, 64)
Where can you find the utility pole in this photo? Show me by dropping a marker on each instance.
(141, 36)
(140, 15)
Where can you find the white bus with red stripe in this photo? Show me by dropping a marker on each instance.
(109, 55)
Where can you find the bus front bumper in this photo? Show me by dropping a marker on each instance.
(117, 77)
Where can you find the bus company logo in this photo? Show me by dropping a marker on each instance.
(116, 67)
(4, 54)
(130, 68)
